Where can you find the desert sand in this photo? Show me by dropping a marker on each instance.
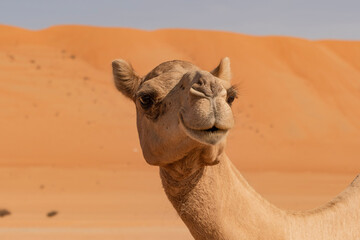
(68, 140)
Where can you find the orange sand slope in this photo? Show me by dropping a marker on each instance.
(299, 107)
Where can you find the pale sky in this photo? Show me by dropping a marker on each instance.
(312, 19)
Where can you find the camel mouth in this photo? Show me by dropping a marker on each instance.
(212, 130)
(210, 136)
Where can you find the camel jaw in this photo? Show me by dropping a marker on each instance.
(209, 136)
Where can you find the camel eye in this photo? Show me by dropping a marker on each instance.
(231, 95)
(230, 99)
(146, 101)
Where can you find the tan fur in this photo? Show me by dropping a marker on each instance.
(129, 79)
(183, 116)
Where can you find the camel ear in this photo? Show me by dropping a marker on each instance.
(223, 71)
(125, 78)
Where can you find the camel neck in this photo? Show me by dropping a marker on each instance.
(215, 202)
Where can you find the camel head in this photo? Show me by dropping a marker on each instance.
(180, 109)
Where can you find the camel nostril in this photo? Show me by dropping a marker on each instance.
(207, 86)
(201, 81)
(197, 92)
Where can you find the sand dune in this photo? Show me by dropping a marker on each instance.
(297, 121)
(296, 95)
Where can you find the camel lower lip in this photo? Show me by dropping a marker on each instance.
(209, 136)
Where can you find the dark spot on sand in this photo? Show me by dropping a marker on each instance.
(4, 212)
(51, 213)
(12, 58)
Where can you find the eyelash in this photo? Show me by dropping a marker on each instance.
(231, 95)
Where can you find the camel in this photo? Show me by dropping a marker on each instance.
(183, 117)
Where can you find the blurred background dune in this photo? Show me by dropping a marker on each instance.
(68, 139)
